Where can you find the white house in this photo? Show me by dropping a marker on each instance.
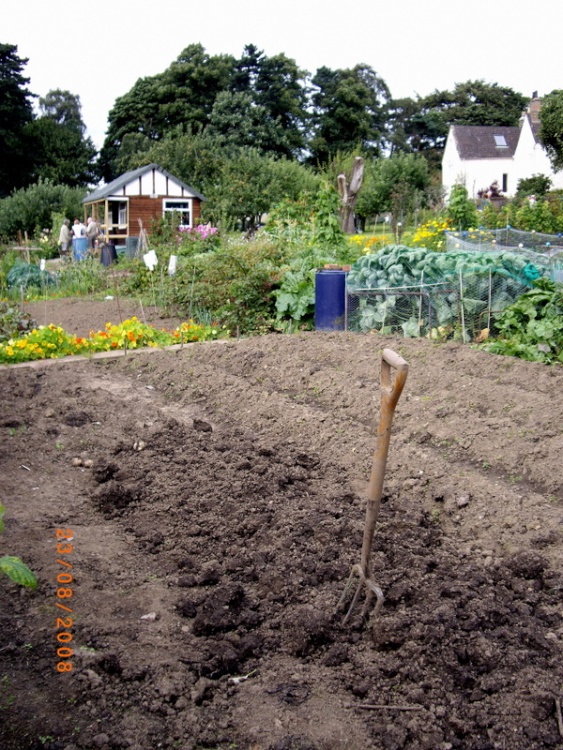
(478, 155)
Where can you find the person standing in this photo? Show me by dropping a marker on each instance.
(92, 232)
(65, 239)
(78, 229)
(79, 240)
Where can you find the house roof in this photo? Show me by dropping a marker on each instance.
(114, 187)
(479, 141)
(534, 127)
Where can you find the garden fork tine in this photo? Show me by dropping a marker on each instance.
(390, 393)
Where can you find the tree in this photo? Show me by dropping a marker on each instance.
(476, 103)
(275, 84)
(182, 96)
(196, 158)
(349, 111)
(551, 128)
(537, 184)
(256, 101)
(245, 190)
(237, 121)
(61, 152)
(63, 108)
(397, 184)
(422, 124)
(415, 128)
(15, 113)
(31, 209)
(279, 89)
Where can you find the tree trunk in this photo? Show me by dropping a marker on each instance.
(349, 195)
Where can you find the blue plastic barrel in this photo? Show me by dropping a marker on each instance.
(330, 300)
(80, 247)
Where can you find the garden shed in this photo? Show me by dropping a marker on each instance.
(134, 199)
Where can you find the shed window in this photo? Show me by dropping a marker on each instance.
(500, 141)
(118, 213)
(182, 207)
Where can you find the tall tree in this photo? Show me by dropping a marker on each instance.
(183, 95)
(551, 129)
(63, 108)
(421, 125)
(277, 85)
(476, 103)
(238, 121)
(60, 154)
(61, 151)
(415, 127)
(349, 110)
(16, 112)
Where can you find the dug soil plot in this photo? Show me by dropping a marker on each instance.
(215, 497)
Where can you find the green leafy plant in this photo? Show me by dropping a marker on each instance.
(391, 282)
(232, 286)
(24, 275)
(13, 322)
(461, 210)
(532, 327)
(13, 567)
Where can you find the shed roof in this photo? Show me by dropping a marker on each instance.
(113, 187)
(479, 142)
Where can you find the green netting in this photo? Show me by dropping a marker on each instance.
(544, 250)
(423, 293)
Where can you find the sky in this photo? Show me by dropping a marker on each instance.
(98, 50)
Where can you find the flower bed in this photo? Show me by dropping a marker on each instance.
(52, 342)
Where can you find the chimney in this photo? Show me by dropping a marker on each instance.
(534, 108)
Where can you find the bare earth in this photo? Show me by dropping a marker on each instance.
(225, 499)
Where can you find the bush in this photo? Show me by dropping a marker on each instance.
(461, 210)
(233, 286)
(30, 209)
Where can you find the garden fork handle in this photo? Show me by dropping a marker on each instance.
(390, 393)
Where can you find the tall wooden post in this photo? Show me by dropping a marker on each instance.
(349, 195)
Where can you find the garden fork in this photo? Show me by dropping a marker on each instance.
(390, 393)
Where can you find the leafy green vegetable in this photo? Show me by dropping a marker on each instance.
(532, 327)
(452, 289)
(13, 567)
(18, 571)
(22, 275)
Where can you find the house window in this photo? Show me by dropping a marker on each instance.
(500, 141)
(505, 183)
(182, 207)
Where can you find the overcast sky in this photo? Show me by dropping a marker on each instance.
(98, 49)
